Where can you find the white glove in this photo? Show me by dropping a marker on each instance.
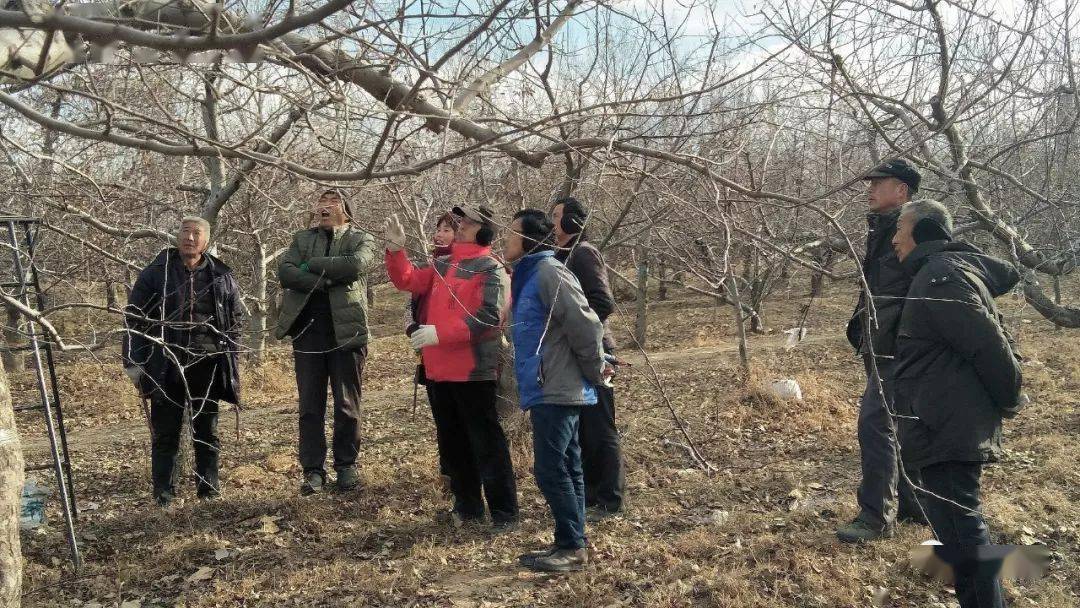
(607, 372)
(424, 336)
(394, 233)
(135, 373)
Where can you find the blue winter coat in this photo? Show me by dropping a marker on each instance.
(558, 350)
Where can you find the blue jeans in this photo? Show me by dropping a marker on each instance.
(961, 528)
(557, 466)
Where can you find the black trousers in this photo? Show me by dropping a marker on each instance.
(444, 469)
(601, 455)
(318, 361)
(197, 386)
(474, 449)
(883, 494)
(961, 526)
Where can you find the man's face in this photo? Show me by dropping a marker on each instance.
(514, 246)
(903, 242)
(329, 211)
(192, 239)
(444, 235)
(556, 218)
(466, 230)
(886, 194)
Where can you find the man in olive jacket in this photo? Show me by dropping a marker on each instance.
(956, 377)
(883, 495)
(323, 310)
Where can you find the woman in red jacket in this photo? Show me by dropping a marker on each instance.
(416, 315)
(459, 341)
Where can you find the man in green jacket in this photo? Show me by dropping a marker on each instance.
(324, 282)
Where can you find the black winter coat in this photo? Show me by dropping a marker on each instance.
(888, 283)
(155, 301)
(956, 374)
(587, 264)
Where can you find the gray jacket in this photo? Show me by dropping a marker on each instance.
(558, 350)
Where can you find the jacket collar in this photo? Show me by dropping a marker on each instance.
(523, 271)
(465, 251)
(526, 262)
(880, 221)
(918, 256)
(172, 253)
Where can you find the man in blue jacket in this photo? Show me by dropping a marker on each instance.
(558, 361)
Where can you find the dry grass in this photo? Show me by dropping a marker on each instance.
(758, 532)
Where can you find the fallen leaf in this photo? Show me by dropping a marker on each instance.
(204, 573)
(268, 524)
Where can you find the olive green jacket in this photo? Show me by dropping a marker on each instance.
(342, 273)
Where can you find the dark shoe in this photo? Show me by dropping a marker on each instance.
(562, 560)
(209, 495)
(527, 559)
(858, 531)
(915, 519)
(459, 519)
(347, 479)
(164, 499)
(505, 527)
(313, 483)
(597, 514)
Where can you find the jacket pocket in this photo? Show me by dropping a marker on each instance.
(926, 397)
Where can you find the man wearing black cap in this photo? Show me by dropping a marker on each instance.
(956, 377)
(872, 332)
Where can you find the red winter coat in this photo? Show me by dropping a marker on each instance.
(464, 293)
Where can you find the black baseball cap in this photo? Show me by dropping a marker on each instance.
(899, 168)
(477, 213)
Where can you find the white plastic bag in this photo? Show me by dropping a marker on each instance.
(786, 389)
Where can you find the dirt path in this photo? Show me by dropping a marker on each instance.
(104, 435)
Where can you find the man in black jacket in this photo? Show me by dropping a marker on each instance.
(956, 377)
(872, 332)
(601, 454)
(180, 348)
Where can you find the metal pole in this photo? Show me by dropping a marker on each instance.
(76, 560)
(55, 383)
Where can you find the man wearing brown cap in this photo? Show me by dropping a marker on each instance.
(872, 332)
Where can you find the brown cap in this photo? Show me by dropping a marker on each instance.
(478, 213)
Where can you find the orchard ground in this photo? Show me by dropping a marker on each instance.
(757, 531)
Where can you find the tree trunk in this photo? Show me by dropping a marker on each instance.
(740, 329)
(259, 305)
(662, 288)
(11, 484)
(14, 361)
(641, 323)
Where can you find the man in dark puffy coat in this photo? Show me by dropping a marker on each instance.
(601, 453)
(182, 336)
(872, 332)
(956, 377)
